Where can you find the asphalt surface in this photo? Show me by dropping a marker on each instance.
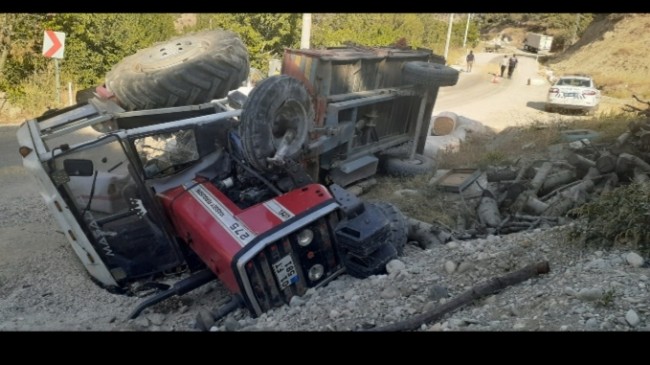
(494, 101)
(9, 147)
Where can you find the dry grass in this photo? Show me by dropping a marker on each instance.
(482, 151)
(39, 95)
(618, 218)
(456, 56)
(425, 202)
(616, 56)
(622, 84)
(609, 125)
(513, 142)
(427, 205)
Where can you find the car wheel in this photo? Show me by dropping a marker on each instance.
(186, 70)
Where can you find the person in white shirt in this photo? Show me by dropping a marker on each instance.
(504, 64)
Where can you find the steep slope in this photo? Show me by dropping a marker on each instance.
(614, 50)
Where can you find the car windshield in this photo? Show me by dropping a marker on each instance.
(574, 82)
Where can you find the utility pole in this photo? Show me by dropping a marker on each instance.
(57, 81)
(469, 15)
(451, 19)
(306, 31)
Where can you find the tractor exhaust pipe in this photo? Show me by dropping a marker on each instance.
(184, 286)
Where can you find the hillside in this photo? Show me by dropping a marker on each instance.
(614, 50)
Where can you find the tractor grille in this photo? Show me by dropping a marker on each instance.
(267, 286)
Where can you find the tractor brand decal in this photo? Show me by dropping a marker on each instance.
(99, 234)
(278, 210)
(226, 219)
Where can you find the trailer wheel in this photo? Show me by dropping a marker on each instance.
(398, 225)
(429, 74)
(405, 167)
(372, 264)
(186, 70)
(276, 116)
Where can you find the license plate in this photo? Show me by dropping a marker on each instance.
(570, 95)
(285, 272)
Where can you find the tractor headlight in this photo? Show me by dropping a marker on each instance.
(305, 237)
(316, 272)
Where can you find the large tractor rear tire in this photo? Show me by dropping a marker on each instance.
(186, 70)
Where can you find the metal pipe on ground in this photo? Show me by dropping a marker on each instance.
(184, 286)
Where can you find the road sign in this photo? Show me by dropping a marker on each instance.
(53, 44)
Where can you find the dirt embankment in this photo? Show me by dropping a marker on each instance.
(614, 50)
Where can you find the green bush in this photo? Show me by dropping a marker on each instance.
(620, 217)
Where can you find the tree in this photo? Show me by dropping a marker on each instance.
(331, 30)
(21, 35)
(265, 35)
(95, 42)
(419, 30)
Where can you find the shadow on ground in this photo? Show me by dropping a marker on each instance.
(539, 105)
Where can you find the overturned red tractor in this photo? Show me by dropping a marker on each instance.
(245, 188)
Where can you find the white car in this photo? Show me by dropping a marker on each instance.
(573, 92)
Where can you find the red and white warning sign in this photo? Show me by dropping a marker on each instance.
(53, 43)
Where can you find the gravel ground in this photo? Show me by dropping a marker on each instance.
(43, 287)
(585, 290)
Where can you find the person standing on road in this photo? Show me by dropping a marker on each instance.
(470, 61)
(504, 64)
(512, 63)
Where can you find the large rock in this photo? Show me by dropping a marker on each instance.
(450, 267)
(590, 294)
(438, 292)
(634, 259)
(157, 319)
(394, 266)
(632, 318)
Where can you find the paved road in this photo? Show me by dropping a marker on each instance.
(25, 223)
(9, 147)
(499, 102)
